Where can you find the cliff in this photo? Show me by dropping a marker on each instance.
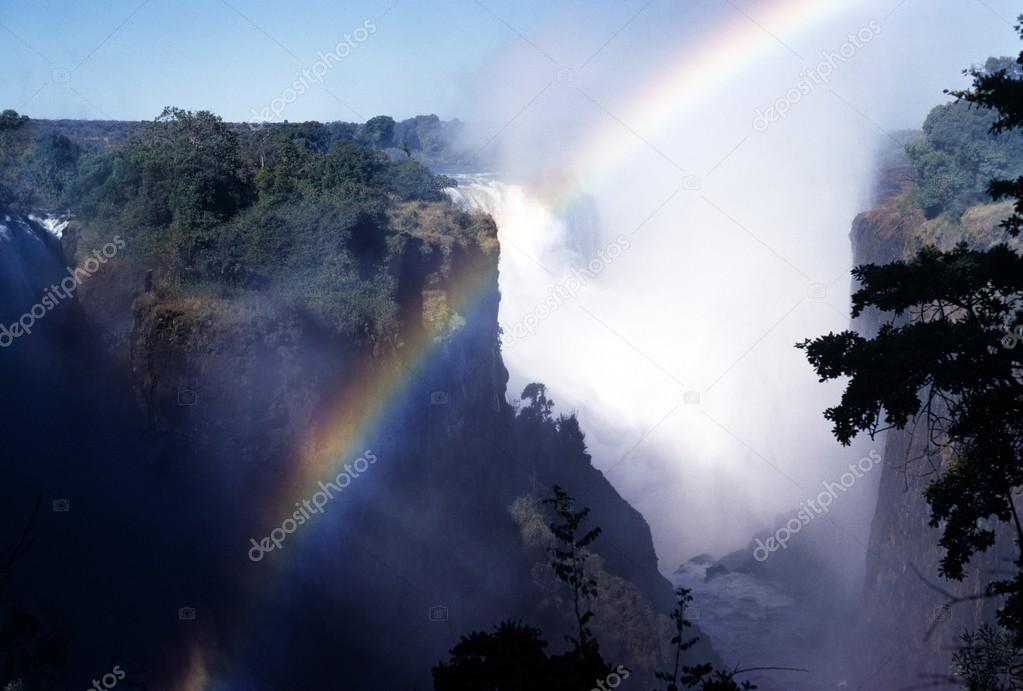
(909, 634)
(196, 412)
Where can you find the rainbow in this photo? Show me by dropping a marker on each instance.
(700, 70)
(195, 677)
(352, 418)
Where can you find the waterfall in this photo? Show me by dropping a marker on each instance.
(29, 261)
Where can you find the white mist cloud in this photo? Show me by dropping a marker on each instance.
(725, 271)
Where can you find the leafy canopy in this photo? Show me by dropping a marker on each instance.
(943, 359)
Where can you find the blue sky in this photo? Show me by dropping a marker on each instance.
(126, 59)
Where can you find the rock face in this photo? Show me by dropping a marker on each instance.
(908, 634)
(197, 419)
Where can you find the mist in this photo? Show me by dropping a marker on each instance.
(682, 368)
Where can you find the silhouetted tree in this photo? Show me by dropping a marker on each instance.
(702, 676)
(510, 659)
(988, 661)
(683, 596)
(568, 559)
(513, 657)
(943, 359)
(540, 407)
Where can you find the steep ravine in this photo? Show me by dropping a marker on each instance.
(908, 634)
(217, 397)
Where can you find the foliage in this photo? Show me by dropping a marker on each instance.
(299, 211)
(184, 171)
(539, 408)
(569, 561)
(988, 661)
(999, 89)
(378, 132)
(10, 120)
(36, 165)
(956, 157)
(943, 358)
(703, 676)
(513, 657)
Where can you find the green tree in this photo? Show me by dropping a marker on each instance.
(184, 169)
(378, 132)
(955, 158)
(1001, 91)
(941, 359)
(10, 120)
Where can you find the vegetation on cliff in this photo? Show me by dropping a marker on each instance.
(514, 657)
(310, 213)
(955, 158)
(946, 356)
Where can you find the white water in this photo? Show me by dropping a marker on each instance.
(723, 276)
(631, 358)
(27, 264)
(55, 225)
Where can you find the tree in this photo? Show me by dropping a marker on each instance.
(569, 562)
(683, 596)
(987, 661)
(1001, 91)
(513, 658)
(941, 359)
(540, 407)
(183, 169)
(702, 676)
(378, 132)
(10, 120)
